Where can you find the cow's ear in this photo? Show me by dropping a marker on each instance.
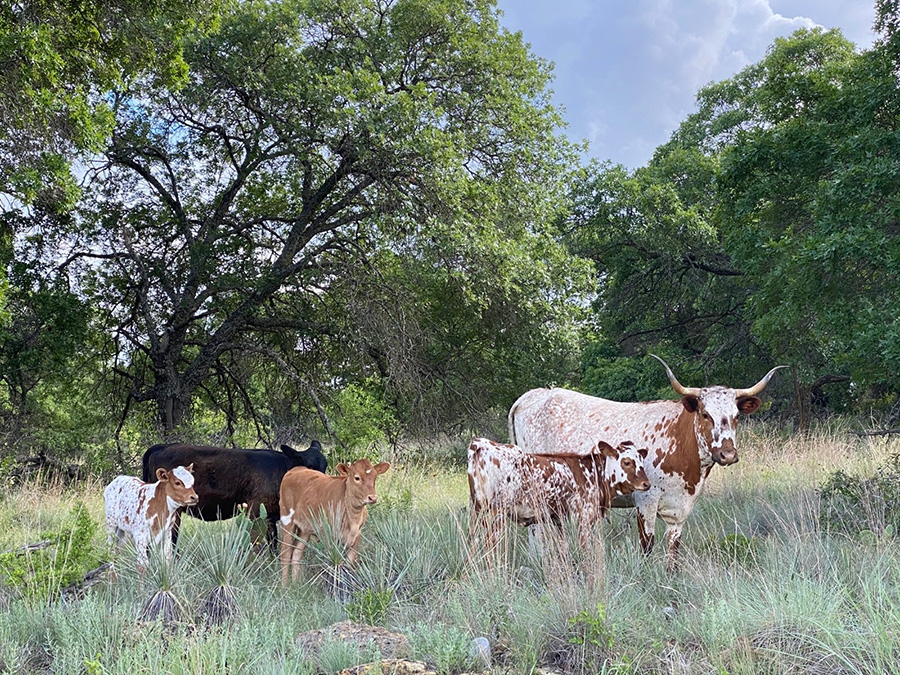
(748, 404)
(381, 468)
(343, 469)
(606, 449)
(161, 474)
(289, 451)
(690, 403)
(643, 453)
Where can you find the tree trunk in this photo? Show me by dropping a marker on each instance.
(801, 400)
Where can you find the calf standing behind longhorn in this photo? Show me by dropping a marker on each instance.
(307, 496)
(504, 481)
(685, 438)
(146, 511)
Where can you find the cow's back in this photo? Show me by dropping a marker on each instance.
(225, 477)
(561, 420)
(309, 491)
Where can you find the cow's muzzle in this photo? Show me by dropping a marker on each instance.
(725, 456)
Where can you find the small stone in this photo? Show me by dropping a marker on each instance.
(480, 648)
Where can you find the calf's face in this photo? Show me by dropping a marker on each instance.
(625, 468)
(179, 484)
(361, 477)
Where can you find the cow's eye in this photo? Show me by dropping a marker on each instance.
(627, 462)
(356, 478)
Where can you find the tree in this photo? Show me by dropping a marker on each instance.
(808, 189)
(59, 60)
(335, 177)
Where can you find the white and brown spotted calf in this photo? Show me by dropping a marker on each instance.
(146, 511)
(307, 496)
(685, 438)
(507, 482)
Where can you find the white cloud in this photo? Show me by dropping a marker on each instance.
(627, 73)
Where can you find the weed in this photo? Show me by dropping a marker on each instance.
(68, 555)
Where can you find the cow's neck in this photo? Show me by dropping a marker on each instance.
(688, 454)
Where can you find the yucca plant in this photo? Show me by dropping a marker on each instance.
(165, 577)
(221, 558)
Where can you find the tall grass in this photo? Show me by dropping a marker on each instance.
(763, 586)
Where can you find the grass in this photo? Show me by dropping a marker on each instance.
(762, 588)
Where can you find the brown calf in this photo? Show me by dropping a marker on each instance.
(307, 496)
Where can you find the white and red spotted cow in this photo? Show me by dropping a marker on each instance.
(307, 496)
(685, 438)
(146, 511)
(505, 481)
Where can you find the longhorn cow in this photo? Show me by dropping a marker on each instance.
(685, 439)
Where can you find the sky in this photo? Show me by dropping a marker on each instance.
(627, 72)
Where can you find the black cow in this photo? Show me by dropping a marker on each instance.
(225, 478)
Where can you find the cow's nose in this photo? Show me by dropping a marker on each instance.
(726, 456)
(373, 499)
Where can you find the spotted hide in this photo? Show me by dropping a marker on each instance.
(685, 439)
(146, 511)
(506, 482)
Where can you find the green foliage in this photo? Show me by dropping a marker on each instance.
(69, 555)
(609, 374)
(370, 605)
(862, 506)
(590, 628)
(447, 647)
(734, 547)
(362, 420)
(58, 62)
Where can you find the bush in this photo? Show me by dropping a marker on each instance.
(64, 561)
(854, 505)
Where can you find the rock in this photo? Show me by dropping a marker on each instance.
(390, 645)
(393, 666)
(480, 649)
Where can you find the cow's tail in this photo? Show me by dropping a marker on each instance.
(511, 421)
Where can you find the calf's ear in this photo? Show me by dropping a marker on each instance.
(606, 449)
(161, 474)
(381, 468)
(190, 467)
(748, 404)
(343, 469)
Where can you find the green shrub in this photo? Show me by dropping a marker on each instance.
(63, 562)
(370, 605)
(852, 505)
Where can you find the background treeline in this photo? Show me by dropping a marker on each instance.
(249, 222)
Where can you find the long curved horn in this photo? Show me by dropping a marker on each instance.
(676, 385)
(759, 386)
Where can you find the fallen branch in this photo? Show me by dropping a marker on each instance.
(96, 575)
(877, 432)
(22, 550)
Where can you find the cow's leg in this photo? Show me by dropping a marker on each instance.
(142, 541)
(287, 546)
(176, 525)
(646, 523)
(297, 554)
(673, 542)
(272, 532)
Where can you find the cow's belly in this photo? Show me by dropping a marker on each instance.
(669, 497)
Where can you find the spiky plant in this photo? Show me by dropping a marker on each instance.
(164, 576)
(221, 558)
